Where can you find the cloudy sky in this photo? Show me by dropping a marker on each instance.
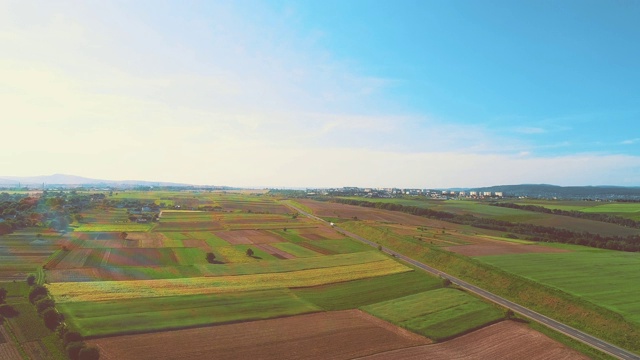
(322, 93)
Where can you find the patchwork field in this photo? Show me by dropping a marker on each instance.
(478, 209)
(113, 290)
(277, 285)
(23, 252)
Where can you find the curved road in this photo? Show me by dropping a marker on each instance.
(558, 326)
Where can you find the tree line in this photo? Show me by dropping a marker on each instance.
(525, 231)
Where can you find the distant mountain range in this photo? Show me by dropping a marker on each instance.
(565, 192)
(65, 180)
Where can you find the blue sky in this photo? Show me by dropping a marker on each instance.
(323, 93)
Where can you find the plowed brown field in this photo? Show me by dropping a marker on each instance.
(332, 335)
(281, 254)
(8, 350)
(350, 211)
(505, 340)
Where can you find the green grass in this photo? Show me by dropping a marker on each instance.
(290, 235)
(190, 256)
(28, 325)
(437, 314)
(295, 249)
(357, 293)
(608, 278)
(163, 313)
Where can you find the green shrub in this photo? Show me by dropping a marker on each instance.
(71, 336)
(43, 304)
(31, 279)
(36, 291)
(51, 318)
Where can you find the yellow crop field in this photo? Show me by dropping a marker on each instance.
(234, 255)
(114, 290)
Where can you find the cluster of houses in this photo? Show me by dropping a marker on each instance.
(397, 192)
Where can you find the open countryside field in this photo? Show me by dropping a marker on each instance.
(113, 290)
(224, 201)
(332, 335)
(608, 278)
(155, 276)
(625, 210)
(483, 210)
(128, 316)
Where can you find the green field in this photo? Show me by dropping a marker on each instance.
(625, 210)
(144, 315)
(608, 278)
(342, 246)
(357, 293)
(437, 314)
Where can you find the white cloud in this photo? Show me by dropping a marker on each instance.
(108, 92)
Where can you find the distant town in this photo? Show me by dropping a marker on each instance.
(397, 192)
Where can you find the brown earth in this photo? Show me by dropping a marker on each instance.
(275, 251)
(36, 350)
(74, 259)
(328, 209)
(9, 352)
(194, 243)
(147, 239)
(505, 340)
(324, 232)
(330, 335)
(313, 236)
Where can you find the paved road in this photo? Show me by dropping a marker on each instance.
(558, 326)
